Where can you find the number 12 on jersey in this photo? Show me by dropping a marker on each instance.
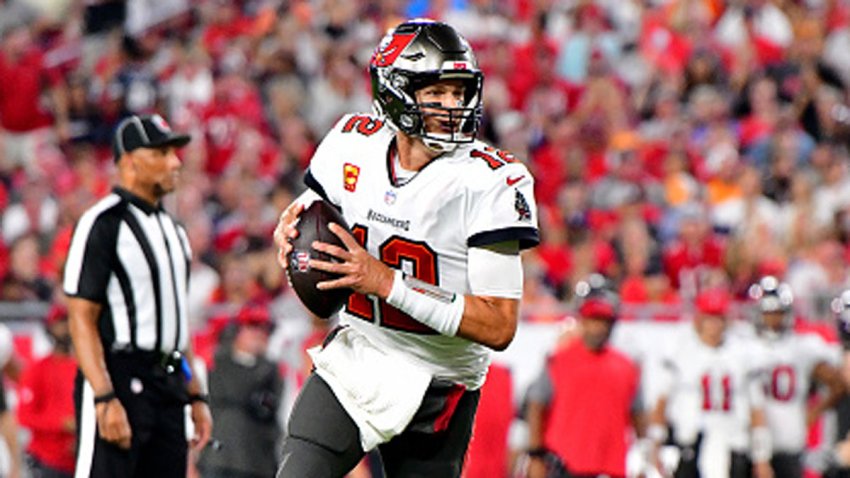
(395, 252)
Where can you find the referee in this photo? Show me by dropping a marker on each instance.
(127, 278)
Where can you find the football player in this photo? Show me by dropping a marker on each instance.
(712, 395)
(839, 460)
(792, 361)
(438, 220)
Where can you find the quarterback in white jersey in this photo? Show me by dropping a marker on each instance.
(438, 221)
(712, 394)
(791, 361)
(425, 226)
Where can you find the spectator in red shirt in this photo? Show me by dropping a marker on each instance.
(46, 404)
(643, 281)
(532, 73)
(586, 402)
(236, 107)
(696, 251)
(555, 253)
(556, 161)
(25, 121)
(227, 24)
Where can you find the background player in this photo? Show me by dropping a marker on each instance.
(713, 396)
(447, 216)
(791, 361)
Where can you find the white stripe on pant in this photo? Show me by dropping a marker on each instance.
(88, 432)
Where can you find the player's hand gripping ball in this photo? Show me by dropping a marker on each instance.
(313, 226)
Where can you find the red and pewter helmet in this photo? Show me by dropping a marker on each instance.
(414, 55)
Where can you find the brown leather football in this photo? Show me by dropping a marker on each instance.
(313, 226)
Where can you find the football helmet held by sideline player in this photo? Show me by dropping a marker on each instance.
(416, 54)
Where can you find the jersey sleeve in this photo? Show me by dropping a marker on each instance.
(90, 256)
(505, 210)
(325, 175)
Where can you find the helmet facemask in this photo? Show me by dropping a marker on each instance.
(416, 55)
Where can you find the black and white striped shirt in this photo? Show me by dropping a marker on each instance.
(133, 258)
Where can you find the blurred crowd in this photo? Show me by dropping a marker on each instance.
(677, 145)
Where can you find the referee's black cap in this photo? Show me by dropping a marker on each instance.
(145, 131)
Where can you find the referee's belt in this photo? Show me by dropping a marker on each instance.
(170, 362)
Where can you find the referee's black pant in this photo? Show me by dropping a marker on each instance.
(154, 401)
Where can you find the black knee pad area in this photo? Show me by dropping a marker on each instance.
(319, 418)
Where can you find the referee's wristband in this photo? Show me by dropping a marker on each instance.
(199, 397)
(106, 397)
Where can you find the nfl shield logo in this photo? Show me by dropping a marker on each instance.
(301, 261)
(390, 197)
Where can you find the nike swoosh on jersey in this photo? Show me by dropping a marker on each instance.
(511, 181)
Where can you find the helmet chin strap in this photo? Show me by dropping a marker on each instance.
(437, 145)
(432, 141)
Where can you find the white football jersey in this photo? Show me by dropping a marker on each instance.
(789, 361)
(473, 196)
(712, 390)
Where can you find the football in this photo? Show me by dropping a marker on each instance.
(313, 226)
